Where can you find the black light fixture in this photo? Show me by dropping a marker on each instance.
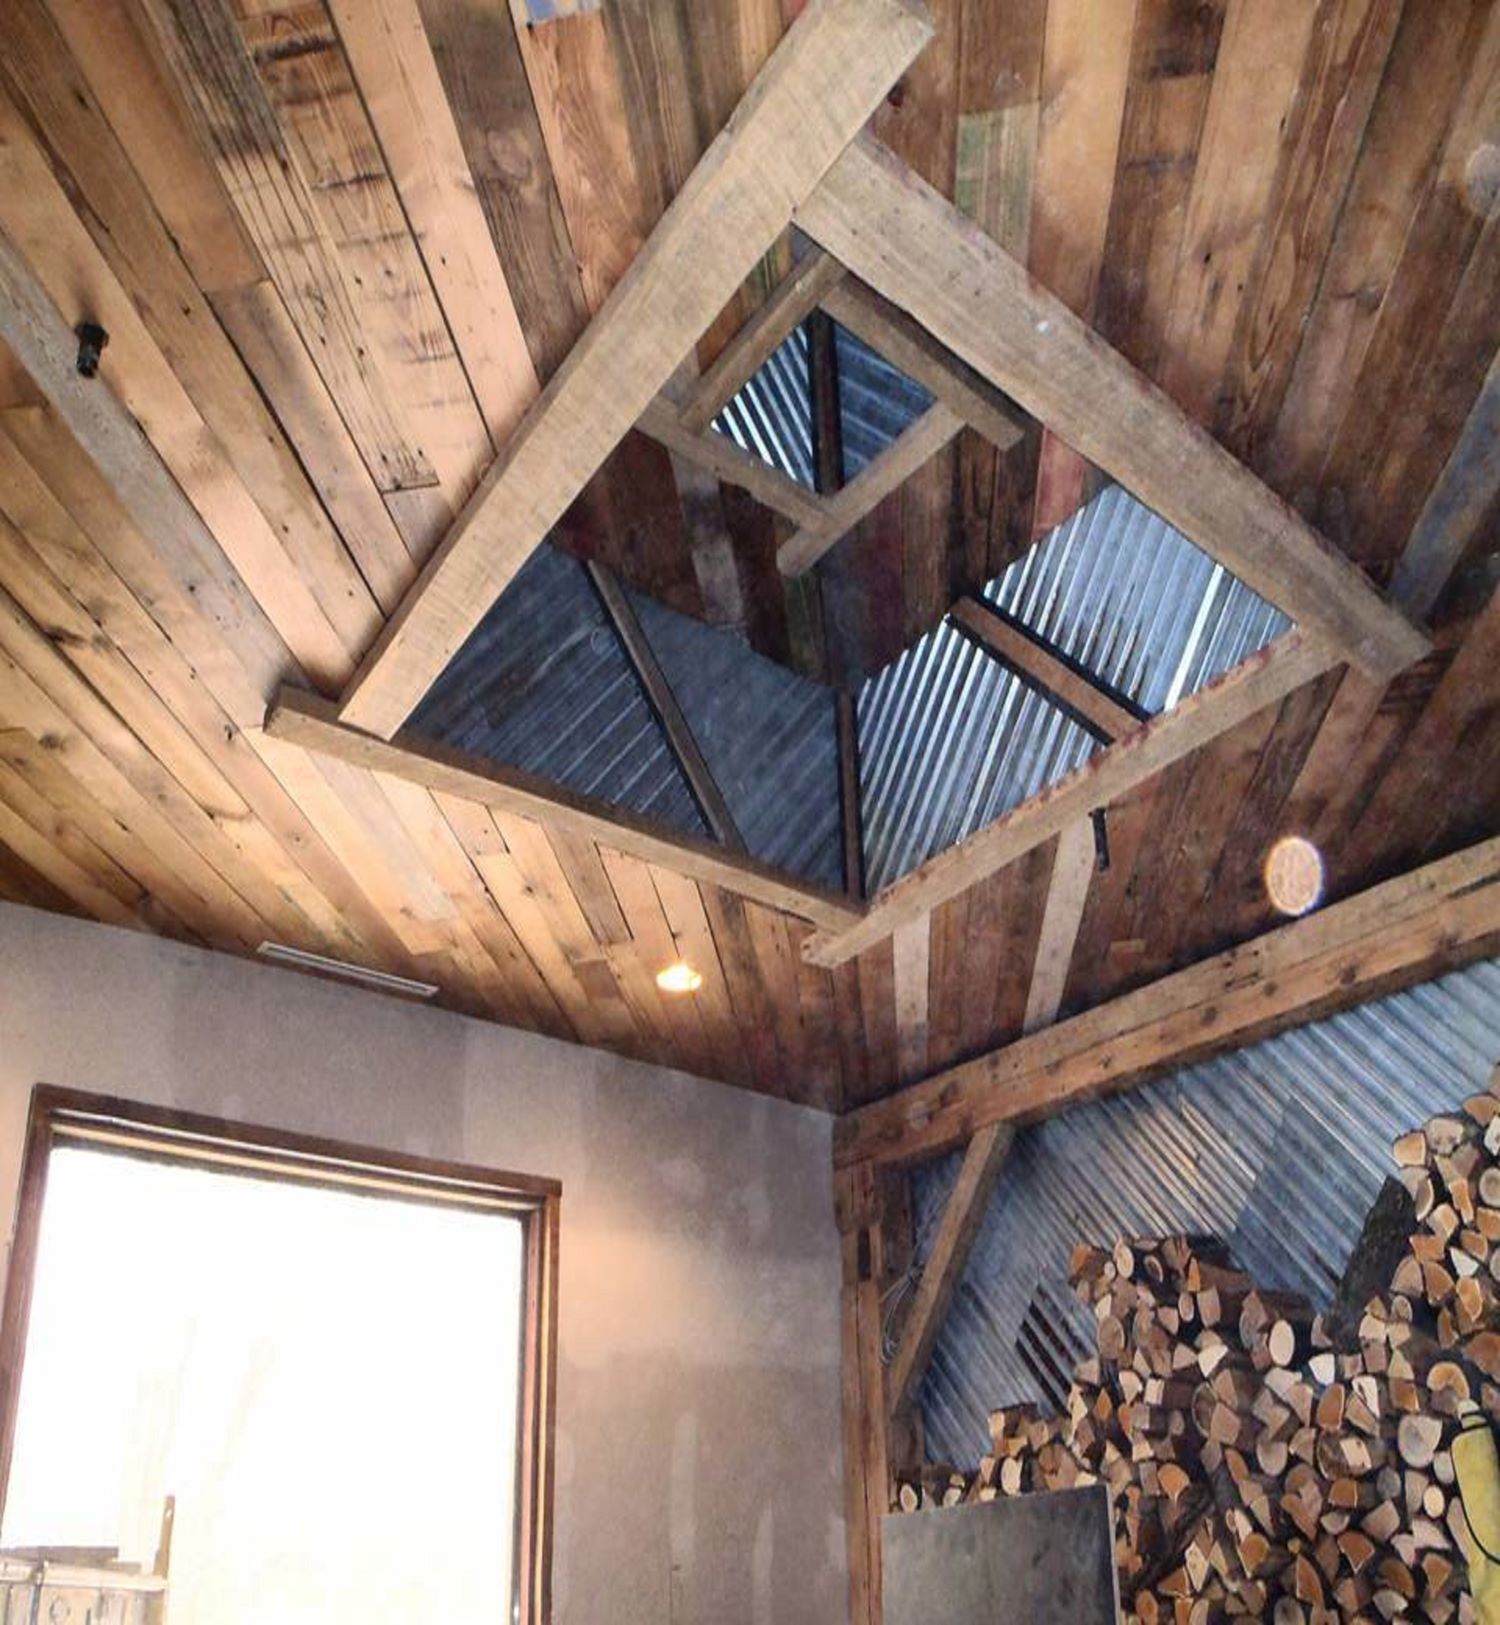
(91, 341)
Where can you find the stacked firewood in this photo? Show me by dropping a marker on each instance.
(1259, 1470)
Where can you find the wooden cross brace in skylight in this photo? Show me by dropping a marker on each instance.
(931, 291)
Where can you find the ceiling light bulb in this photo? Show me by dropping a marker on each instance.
(1294, 875)
(679, 978)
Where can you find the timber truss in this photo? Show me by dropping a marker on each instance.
(903, 270)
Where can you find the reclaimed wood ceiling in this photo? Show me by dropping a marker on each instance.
(338, 245)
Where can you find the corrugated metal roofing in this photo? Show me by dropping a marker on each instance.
(1279, 1148)
(771, 415)
(543, 684)
(770, 739)
(948, 740)
(877, 402)
(1135, 602)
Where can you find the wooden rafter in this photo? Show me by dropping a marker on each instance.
(1103, 713)
(847, 721)
(663, 701)
(732, 464)
(820, 85)
(944, 1267)
(908, 242)
(1263, 680)
(894, 335)
(916, 445)
(795, 298)
(300, 718)
(1406, 930)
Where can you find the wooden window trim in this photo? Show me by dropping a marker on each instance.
(74, 1117)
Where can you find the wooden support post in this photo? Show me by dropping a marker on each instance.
(867, 1472)
(663, 702)
(1067, 892)
(945, 1264)
(847, 716)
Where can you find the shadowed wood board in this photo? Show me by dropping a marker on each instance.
(1044, 1559)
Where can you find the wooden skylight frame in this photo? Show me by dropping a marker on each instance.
(960, 315)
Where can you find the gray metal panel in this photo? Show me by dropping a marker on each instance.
(877, 402)
(949, 739)
(771, 415)
(1031, 1560)
(1135, 602)
(769, 737)
(544, 684)
(1279, 1148)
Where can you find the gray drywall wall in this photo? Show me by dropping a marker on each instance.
(699, 1467)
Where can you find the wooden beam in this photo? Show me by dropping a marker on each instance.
(1072, 874)
(663, 701)
(1103, 713)
(1264, 679)
(827, 409)
(921, 441)
(300, 718)
(847, 718)
(867, 1456)
(944, 1268)
(906, 345)
(791, 303)
(732, 464)
(1404, 931)
(909, 243)
(822, 82)
(912, 947)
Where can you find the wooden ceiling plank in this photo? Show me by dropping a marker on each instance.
(754, 1012)
(101, 181)
(791, 303)
(914, 448)
(1456, 507)
(261, 329)
(963, 1213)
(208, 59)
(1073, 870)
(1100, 710)
(836, 62)
(33, 847)
(892, 333)
(1085, 71)
(1262, 680)
(1403, 931)
(32, 326)
(47, 259)
(303, 719)
(915, 249)
(1262, 53)
(398, 77)
(687, 919)
(663, 702)
(732, 464)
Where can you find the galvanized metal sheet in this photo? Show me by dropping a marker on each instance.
(769, 738)
(544, 684)
(1279, 1148)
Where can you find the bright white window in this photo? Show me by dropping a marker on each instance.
(328, 1383)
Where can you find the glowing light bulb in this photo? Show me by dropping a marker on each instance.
(1294, 875)
(679, 978)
